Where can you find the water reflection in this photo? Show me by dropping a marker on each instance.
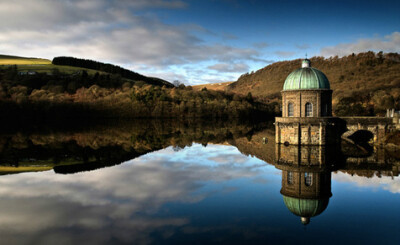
(306, 179)
(180, 183)
(306, 173)
(109, 145)
(123, 204)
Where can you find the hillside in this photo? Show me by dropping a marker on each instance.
(360, 76)
(212, 86)
(25, 64)
(74, 66)
(16, 60)
(109, 68)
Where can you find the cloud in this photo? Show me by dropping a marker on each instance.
(229, 36)
(155, 4)
(285, 54)
(223, 67)
(169, 76)
(110, 31)
(119, 203)
(384, 182)
(302, 46)
(389, 43)
(261, 45)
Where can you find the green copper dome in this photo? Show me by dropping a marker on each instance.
(306, 77)
(305, 207)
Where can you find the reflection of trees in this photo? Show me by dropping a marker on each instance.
(348, 158)
(80, 150)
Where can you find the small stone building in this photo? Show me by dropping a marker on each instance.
(306, 109)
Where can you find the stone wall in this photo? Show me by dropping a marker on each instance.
(297, 162)
(306, 131)
(321, 101)
(329, 130)
(295, 155)
(320, 186)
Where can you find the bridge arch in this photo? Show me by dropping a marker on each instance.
(366, 129)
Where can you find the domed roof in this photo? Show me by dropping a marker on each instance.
(306, 77)
(305, 208)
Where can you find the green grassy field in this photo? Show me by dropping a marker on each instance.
(39, 65)
(37, 166)
(16, 60)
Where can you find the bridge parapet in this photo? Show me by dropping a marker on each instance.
(368, 120)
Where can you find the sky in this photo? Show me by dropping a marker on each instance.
(197, 41)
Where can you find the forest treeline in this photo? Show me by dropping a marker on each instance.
(42, 97)
(368, 83)
(108, 68)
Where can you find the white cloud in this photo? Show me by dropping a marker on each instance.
(223, 67)
(109, 31)
(285, 54)
(388, 43)
(118, 202)
(384, 182)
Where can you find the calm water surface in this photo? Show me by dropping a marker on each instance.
(191, 185)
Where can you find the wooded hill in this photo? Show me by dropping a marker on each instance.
(70, 66)
(58, 96)
(368, 80)
(109, 68)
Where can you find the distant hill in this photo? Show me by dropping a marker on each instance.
(70, 65)
(212, 86)
(109, 68)
(360, 75)
(16, 60)
(25, 64)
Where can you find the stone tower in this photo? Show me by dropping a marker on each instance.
(306, 109)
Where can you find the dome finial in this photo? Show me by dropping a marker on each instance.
(306, 63)
(305, 220)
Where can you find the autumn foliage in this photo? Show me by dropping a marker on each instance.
(369, 81)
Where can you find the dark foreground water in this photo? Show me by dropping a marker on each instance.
(192, 184)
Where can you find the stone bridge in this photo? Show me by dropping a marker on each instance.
(329, 130)
(367, 129)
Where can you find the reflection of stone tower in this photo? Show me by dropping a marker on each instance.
(306, 180)
(306, 109)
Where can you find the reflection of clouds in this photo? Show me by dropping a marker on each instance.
(384, 182)
(114, 204)
(229, 158)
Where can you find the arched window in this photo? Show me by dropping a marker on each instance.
(290, 108)
(290, 178)
(308, 179)
(308, 109)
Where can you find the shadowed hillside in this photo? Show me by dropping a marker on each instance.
(109, 68)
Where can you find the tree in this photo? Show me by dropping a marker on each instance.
(176, 83)
(249, 98)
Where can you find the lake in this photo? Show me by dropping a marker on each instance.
(168, 182)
